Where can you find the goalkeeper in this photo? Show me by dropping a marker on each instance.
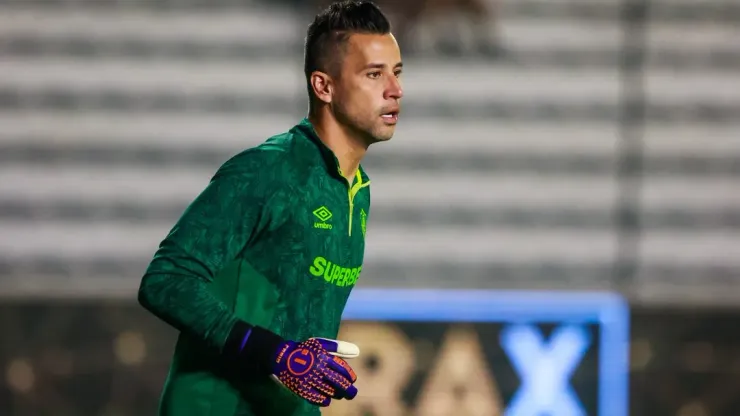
(256, 272)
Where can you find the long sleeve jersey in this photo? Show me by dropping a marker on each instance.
(277, 240)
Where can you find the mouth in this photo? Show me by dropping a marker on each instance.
(390, 117)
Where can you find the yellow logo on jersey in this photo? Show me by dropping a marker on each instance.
(363, 222)
(324, 215)
(333, 273)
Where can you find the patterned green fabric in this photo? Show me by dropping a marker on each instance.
(276, 239)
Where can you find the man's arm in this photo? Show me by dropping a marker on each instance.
(216, 226)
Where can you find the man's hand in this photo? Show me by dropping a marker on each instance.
(315, 370)
(342, 349)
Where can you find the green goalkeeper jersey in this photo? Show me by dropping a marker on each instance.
(276, 239)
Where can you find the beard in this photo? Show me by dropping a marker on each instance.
(368, 126)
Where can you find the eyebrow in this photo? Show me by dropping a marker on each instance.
(381, 66)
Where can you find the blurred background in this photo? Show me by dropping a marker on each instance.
(559, 145)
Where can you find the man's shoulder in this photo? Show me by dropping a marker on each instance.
(273, 157)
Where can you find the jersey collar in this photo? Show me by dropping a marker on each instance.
(330, 160)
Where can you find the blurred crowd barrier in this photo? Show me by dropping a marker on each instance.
(543, 144)
(109, 358)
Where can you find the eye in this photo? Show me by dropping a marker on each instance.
(398, 73)
(374, 74)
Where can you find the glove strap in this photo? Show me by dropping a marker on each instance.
(253, 348)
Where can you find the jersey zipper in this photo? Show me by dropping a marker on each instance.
(351, 192)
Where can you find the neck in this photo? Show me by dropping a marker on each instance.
(346, 145)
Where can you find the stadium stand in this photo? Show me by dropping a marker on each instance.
(505, 173)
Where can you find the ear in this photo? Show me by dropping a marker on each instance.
(321, 84)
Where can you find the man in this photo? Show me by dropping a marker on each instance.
(256, 273)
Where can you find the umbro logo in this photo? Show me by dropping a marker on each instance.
(323, 215)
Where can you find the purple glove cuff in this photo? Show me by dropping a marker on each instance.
(252, 348)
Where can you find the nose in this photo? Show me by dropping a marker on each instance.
(393, 91)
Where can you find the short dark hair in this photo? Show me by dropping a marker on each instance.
(330, 30)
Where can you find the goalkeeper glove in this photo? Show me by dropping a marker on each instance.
(314, 369)
(342, 349)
